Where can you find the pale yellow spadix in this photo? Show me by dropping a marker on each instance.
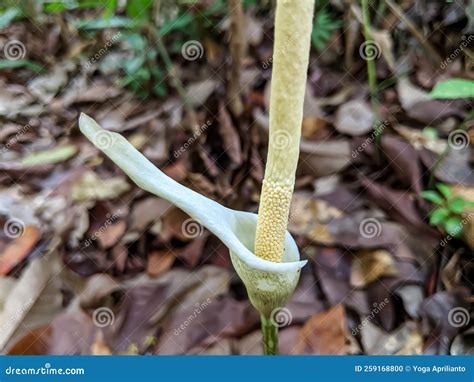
(293, 25)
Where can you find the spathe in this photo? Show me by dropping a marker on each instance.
(268, 283)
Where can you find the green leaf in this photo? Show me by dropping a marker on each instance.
(445, 190)
(453, 89)
(179, 23)
(430, 132)
(55, 155)
(457, 205)
(8, 16)
(7, 64)
(453, 226)
(60, 6)
(323, 27)
(433, 197)
(110, 8)
(438, 215)
(103, 23)
(139, 9)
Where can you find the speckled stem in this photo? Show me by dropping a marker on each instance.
(269, 336)
(293, 25)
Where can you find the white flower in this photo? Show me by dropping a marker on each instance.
(269, 284)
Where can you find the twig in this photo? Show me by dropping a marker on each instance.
(237, 52)
(175, 81)
(398, 12)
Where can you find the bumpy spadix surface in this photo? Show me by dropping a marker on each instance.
(269, 284)
(293, 25)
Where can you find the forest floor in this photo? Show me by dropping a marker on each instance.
(382, 209)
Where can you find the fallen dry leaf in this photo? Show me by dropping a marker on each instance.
(369, 266)
(354, 118)
(19, 249)
(33, 301)
(159, 262)
(324, 333)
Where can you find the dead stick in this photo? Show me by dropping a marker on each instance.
(398, 12)
(237, 52)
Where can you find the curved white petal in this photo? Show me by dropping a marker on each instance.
(236, 229)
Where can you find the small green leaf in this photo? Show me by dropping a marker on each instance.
(8, 16)
(438, 215)
(453, 226)
(103, 23)
(139, 9)
(433, 197)
(430, 132)
(55, 155)
(445, 190)
(7, 64)
(453, 89)
(457, 205)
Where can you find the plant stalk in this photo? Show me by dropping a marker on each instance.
(269, 336)
(371, 71)
(372, 79)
